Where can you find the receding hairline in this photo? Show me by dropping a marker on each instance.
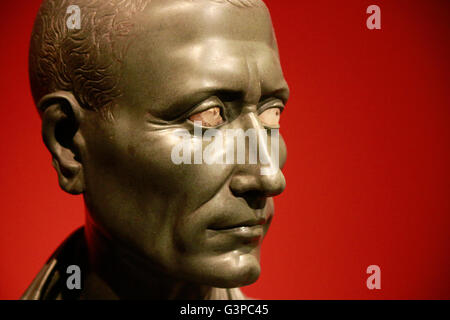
(49, 68)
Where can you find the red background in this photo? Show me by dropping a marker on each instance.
(368, 138)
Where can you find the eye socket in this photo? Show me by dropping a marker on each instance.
(209, 118)
(271, 117)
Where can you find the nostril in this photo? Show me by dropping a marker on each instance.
(253, 188)
(255, 199)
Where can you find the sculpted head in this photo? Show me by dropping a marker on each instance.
(112, 96)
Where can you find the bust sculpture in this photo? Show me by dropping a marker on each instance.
(113, 96)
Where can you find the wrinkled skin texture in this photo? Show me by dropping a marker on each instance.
(170, 221)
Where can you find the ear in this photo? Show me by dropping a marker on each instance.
(61, 117)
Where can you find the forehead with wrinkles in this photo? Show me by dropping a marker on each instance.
(88, 61)
(186, 46)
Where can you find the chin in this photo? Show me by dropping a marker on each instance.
(243, 276)
(231, 271)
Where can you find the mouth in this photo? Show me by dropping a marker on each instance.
(248, 224)
(251, 229)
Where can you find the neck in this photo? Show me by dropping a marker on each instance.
(115, 272)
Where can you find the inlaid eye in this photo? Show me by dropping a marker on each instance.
(271, 117)
(208, 118)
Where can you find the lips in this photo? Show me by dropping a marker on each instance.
(241, 230)
(231, 225)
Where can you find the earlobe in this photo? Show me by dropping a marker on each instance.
(61, 116)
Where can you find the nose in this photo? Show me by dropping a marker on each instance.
(255, 188)
(250, 181)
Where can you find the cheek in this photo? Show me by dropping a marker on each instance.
(140, 171)
(191, 183)
(136, 193)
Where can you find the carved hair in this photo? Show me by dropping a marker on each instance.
(87, 61)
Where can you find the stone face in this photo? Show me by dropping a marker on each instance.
(114, 93)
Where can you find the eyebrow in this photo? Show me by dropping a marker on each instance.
(188, 100)
(233, 94)
(281, 93)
